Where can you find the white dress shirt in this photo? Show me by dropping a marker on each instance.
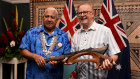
(95, 37)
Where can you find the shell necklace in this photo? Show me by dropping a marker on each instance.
(44, 42)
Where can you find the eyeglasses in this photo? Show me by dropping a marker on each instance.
(83, 12)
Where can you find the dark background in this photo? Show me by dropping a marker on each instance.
(5, 11)
(23, 11)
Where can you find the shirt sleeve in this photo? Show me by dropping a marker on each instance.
(113, 47)
(73, 44)
(67, 44)
(25, 43)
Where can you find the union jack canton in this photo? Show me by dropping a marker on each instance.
(69, 22)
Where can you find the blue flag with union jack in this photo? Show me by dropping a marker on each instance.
(69, 22)
(110, 18)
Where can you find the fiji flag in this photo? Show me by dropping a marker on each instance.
(69, 22)
(111, 19)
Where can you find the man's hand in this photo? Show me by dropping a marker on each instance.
(53, 63)
(64, 61)
(107, 65)
(39, 60)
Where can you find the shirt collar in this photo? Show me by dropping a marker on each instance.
(93, 27)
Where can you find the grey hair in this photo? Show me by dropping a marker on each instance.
(51, 8)
(92, 8)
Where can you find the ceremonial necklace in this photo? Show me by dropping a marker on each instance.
(44, 42)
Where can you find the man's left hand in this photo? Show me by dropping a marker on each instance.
(107, 65)
(53, 63)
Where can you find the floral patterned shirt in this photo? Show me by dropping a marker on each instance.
(32, 42)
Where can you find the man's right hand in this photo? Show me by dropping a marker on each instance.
(39, 60)
(64, 61)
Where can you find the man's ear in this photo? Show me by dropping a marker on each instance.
(57, 19)
(57, 22)
(93, 14)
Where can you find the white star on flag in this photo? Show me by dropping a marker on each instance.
(118, 67)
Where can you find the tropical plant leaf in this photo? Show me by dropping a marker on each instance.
(16, 16)
(21, 25)
(5, 23)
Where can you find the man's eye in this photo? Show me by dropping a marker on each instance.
(85, 12)
(47, 16)
(79, 13)
(52, 17)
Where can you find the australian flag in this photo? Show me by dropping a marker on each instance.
(110, 18)
(69, 22)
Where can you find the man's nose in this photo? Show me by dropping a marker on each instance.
(82, 14)
(49, 18)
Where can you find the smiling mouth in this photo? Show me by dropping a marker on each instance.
(83, 18)
(49, 23)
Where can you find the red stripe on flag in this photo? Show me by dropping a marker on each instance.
(62, 21)
(73, 75)
(101, 19)
(120, 29)
(69, 6)
(108, 6)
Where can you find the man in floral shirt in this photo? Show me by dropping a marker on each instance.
(43, 42)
